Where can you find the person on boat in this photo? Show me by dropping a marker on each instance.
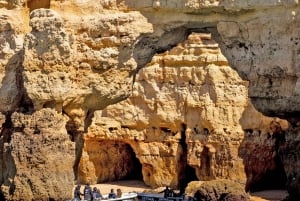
(96, 194)
(77, 193)
(112, 194)
(167, 192)
(87, 191)
(119, 193)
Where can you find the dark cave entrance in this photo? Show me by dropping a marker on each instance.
(188, 173)
(133, 164)
(272, 179)
(274, 176)
(114, 161)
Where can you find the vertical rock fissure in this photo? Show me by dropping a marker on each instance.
(7, 165)
(187, 173)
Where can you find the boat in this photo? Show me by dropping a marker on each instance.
(160, 197)
(125, 197)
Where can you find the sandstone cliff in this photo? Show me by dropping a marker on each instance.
(85, 83)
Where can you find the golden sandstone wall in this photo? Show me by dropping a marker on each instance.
(94, 91)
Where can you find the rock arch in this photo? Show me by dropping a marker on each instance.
(108, 160)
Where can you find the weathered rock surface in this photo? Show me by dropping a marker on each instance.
(37, 157)
(187, 111)
(188, 108)
(217, 190)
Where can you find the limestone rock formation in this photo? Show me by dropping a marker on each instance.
(73, 73)
(38, 157)
(11, 43)
(217, 190)
(126, 79)
(188, 111)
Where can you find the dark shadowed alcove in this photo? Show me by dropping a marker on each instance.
(112, 161)
(272, 179)
(35, 4)
(188, 173)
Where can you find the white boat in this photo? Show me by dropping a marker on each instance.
(125, 197)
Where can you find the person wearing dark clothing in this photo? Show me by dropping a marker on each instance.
(77, 193)
(96, 194)
(167, 192)
(87, 191)
(112, 194)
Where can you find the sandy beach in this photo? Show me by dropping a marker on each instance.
(125, 186)
(269, 195)
(139, 186)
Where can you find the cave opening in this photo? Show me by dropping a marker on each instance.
(124, 163)
(113, 161)
(188, 173)
(272, 180)
(134, 165)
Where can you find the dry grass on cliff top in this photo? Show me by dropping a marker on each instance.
(139, 186)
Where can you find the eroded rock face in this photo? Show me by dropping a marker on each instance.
(187, 107)
(11, 43)
(216, 190)
(256, 55)
(38, 157)
(77, 73)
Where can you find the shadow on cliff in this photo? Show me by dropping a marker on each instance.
(263, 166)
(148, 45)
(8, 167)
(12, 89)
(15, 100)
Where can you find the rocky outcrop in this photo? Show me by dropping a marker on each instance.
(184, 115)
(193, 108)
(73, 73)
(37, 158)
(217, 190)
(256, 55)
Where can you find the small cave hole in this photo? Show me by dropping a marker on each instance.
(49, 104)
(205, 131)
(125, 127)
(36, 130)
(196, 130)
(111, 129)
(165, 129)
(248, 131)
